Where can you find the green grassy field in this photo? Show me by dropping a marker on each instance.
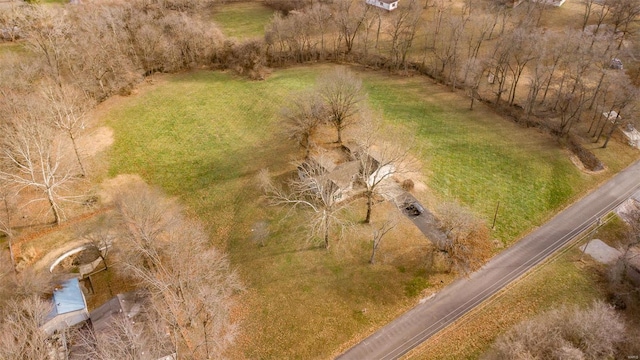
(8, 47)
(204, 136)
(480, 159)
(243, 19)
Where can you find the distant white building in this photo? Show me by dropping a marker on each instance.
(384, 4)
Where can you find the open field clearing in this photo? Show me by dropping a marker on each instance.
(481, 159)
(204, 136)
(10, 48)
(242, 19)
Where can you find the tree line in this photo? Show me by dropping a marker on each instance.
(549, 78)
(82, 54)
(78, 56)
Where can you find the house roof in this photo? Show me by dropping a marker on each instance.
(128, 304)
(69, 307)
(343, 175)
(68, 298)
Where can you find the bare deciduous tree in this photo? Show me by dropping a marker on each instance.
(630, 241)
(100, 237)
(311, 190)
(36, 157)
(474, 72)
(381, 156)
(378, 234)
(564, 333)
(302, 118)
(67, 109)
(320, 16)
(624, 13)
(625, 98)
(191, 285)
(138, 335)
(102, 60)
(404, 24)
(468, 245)
(343, 94)
(47, 32)
(349, 18)
(20, 334)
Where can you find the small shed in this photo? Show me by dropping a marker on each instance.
(632, 135)
(632, 258)
(611, 115)
(616, 64)
(384, 4)
(69, 307)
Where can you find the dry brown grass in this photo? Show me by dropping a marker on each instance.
(562, 281)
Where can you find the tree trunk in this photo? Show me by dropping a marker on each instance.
(473, 98)
(75, 149)
(546, 89)
(326, 230)
(54, 207)
(373, 251)
(369, 205)
(604, 124)
(613, 128)
(595, 93)
(593, 120)
(378, 31)
(9, 233)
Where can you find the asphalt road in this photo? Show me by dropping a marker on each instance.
(423, 321)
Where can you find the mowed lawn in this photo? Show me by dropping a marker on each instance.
(242, 19)
(480, 159)
(204, 136)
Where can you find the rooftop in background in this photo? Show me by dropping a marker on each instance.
(131, 307)
(128, 304)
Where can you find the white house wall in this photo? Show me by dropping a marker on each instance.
(382, 4)
(380, 174)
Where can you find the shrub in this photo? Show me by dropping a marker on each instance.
(564, 333)
(588, 159)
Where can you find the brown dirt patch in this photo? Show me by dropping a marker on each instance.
(95, 141)
(110, 187)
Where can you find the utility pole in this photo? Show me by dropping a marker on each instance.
(592, 233)
(495, 216)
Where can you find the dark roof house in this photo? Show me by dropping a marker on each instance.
(131, 306)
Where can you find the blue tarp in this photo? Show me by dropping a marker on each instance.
(69, 298)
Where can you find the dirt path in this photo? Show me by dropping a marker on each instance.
(45, 262)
